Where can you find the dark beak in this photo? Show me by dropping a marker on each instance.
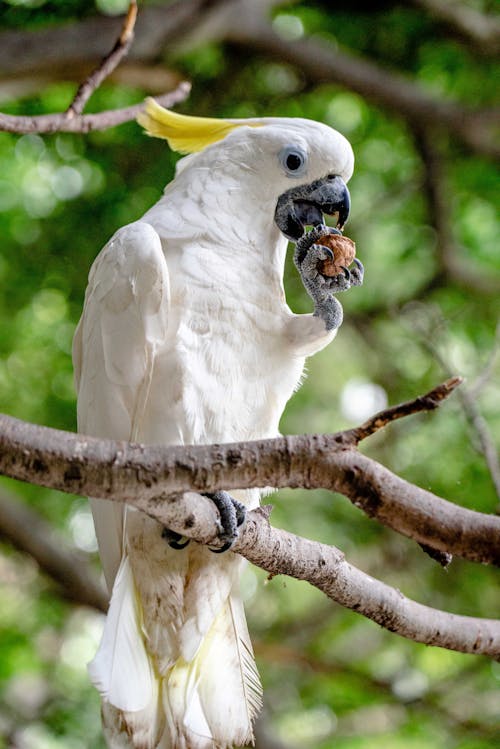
(304, 205)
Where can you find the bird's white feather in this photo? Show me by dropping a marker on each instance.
(124, 321)
(206, 351)
(122, 670)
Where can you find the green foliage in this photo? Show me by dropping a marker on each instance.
(330, 678)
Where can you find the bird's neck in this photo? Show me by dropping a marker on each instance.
(238, 224)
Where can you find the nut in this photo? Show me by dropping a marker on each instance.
(344, 252)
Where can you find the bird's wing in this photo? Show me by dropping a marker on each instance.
(124, 322)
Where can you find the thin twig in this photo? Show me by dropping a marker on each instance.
(483, 443)
(427, 402)
(84, 123)
(485, 376)
(107, 65)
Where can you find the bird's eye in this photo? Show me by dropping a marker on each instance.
(293, 160)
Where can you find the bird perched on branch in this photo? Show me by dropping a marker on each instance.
(186, 338)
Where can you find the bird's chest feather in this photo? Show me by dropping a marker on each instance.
(225, 372)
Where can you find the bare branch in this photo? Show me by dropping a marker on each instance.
(482, 31)
(60, 123)
(325, 567)
(150, 477)
(107, 65)
(483, 443)
(29, 532)
(187, 22)
(427, 402)
(320, 62)
(157, 480)
(439, 211)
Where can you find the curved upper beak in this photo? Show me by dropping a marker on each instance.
(305, 205)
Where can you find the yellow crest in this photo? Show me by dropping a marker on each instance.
(184, 133)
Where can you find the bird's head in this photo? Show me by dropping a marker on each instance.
(297, 168)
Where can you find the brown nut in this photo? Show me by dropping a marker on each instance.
(344, 252)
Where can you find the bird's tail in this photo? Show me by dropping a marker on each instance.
(204, 694)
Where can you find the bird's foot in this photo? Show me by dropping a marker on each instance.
(232, 516)
(308, 258)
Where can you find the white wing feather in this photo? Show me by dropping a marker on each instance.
(123, 323)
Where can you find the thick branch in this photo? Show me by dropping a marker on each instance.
(60, 123)
(320, 62)
(148, 477)
(326, 568)
(30, 533)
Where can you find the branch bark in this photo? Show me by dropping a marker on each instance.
(60, 123)
(107, 65)
(153, 477)
(159, 480)
(326, 568)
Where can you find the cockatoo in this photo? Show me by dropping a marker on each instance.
(186, 338)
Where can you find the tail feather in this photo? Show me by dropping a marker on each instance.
(207, 700)
(122, 670)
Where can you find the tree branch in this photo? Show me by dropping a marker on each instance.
(60, 123)
(107, 65)
(325, 567)
(440, 218)
(187, 22)
(157, 480)
(427, 402)
(482, 31)
(29, 532)
(152, 478)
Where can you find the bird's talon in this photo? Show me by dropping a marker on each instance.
(232, 516)
(175, 540)
(347, 272)
(223, 548)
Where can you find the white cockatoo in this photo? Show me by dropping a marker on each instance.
(186, 338)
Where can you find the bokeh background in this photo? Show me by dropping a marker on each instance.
(424, 221)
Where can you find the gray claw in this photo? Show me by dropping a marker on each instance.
(347, 273)
(232, 516)
(174, 540)
(357, 273)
